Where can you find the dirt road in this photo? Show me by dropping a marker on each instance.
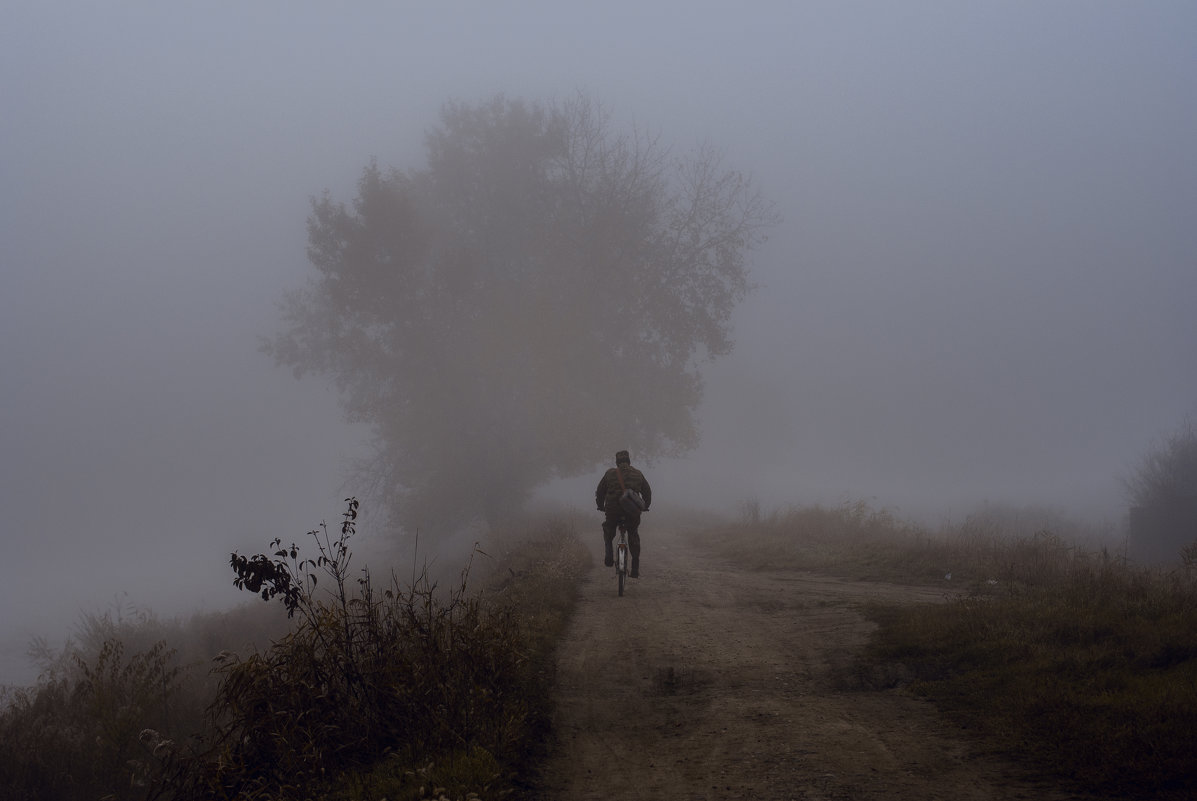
(708, 682)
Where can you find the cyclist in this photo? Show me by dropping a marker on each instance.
(611, 488)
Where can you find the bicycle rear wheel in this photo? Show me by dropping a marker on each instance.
(621, 565)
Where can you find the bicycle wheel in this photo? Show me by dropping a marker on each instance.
(621, 565)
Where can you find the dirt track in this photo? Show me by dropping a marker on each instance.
(708, 682)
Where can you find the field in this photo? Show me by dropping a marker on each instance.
(1071, 660)
(817, 653)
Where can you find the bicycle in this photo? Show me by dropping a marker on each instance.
(621, 556)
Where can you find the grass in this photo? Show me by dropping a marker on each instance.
(1077, 662)
(1094, 678)
(409, 692)
(1074, 661)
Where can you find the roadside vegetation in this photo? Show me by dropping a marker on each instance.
(353, 691)
(1066, 655)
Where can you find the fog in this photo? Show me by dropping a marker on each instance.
(982, 287)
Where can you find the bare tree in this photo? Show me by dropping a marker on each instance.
(543, 292)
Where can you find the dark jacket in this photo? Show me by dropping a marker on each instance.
(606, 496)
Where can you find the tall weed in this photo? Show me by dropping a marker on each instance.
(364, 693)
(94, 734)
(371, 685)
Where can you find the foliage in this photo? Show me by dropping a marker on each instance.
(117, 703)
(290, 577)
(1163, 496)
(370, 686)
(95, 733)
(541, 293)
(1168, 472)
(426, 692)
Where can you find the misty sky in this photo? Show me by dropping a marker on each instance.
(983, 286)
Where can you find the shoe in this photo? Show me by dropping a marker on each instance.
(635, 573)
(609, 561)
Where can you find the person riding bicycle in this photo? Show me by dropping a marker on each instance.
(611, 488)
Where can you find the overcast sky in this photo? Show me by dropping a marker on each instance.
(983, 287)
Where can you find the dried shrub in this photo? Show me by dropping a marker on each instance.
(362, 694)
(410, 676)
(94, 733)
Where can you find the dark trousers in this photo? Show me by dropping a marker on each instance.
(632, 522)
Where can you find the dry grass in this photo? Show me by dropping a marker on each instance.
(1093, 678)
(991, 548)
(1082, 665)
(411, 692)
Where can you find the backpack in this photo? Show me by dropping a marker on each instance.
(631, 501)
